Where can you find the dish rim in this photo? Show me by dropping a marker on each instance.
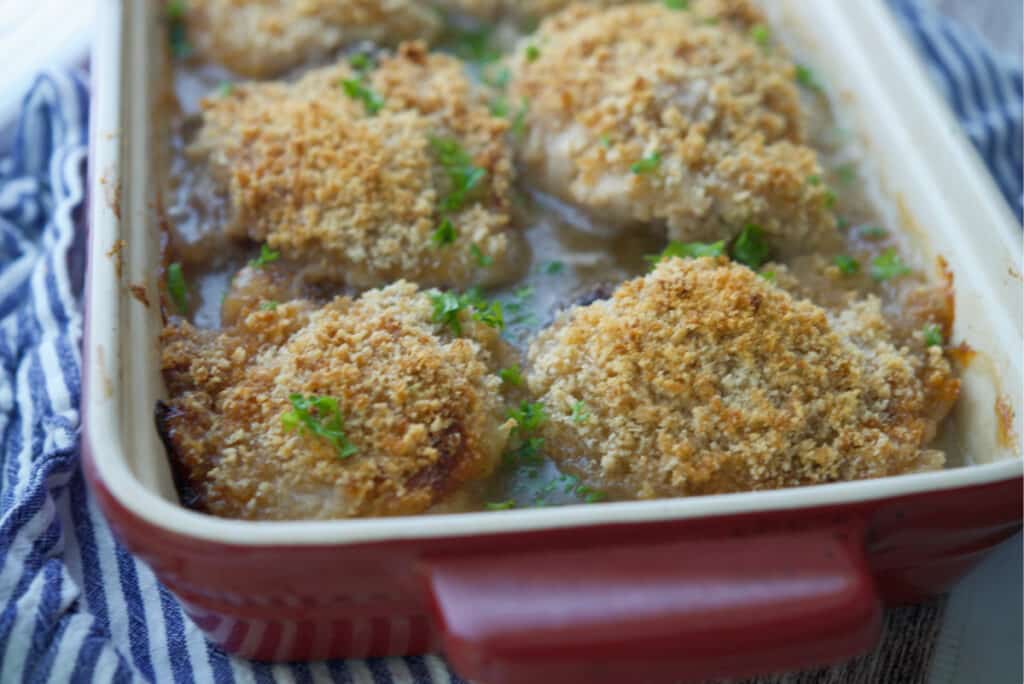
(101, 412)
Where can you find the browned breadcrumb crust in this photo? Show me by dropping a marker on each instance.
(610, 87)
(356, 196)
(423, 408)
(703, 377)
(265, 38)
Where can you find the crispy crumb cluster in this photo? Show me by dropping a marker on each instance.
(265, 38)
(422, 409)
(704, 378)
(647, 115)
(356, 194)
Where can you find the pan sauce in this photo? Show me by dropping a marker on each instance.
(570, 257)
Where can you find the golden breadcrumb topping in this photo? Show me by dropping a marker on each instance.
(422, 411)
(265, 38)
(357, 195)
(647, 115)
(703, 377)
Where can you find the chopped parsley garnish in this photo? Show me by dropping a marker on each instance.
(842, 223)
(512, 375)
(462, 173)
(888, 265)
(474, 45)
(497, 78)
(482, 260)
(176, 29)
(768, 275)
(518, 126)
(445, 234)
(499, 107)
(532, 53)
(846, 264)
(806, 78)
(688, 250)
(589, 494)
(528, 416)
(321, 417)
(361, 62)
(648, 164)
(677, 4)
(176, 287)
(448, 306)
(524, 292)
(225, 88)
(358, 90)
(580, 412)
(526, 453)
(501, 505)
(933, 335)
(847, 173)
(830, 198)
(268, 305)
(554, 267)
(814, 179)
(605, 141)
(761, 35)
(872, 232)
(750, 247)
(266, 256)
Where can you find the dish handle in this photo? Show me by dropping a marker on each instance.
(661, 611)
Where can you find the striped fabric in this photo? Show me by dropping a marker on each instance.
(75, 606)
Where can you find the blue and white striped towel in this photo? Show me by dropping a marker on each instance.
(75, 606)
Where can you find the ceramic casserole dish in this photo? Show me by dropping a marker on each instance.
(665, 590)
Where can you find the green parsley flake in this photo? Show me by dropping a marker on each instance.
(847, 173)
(750, 248)
(518, 126)
(768, 275)
(499, 107)
(842, 223)
(497, 78)
(933, 335)
(814, 179)
(806, 78)
(177, 288)
(648, 164)
(532, 53)
(761, 35)
(357, 90)
(449, 305)
(268, 305)
(554, 267)
(888, 265)
(605, 141)
(361, 62)
(225, 88)
(445, 234)
(847, 265)
(177, 31)
(501, 505)
(512, 375)
(266, 256)
(688, 250)
(830, 198)
(528, 416)
(872, 232)
(482, 260)
(474, 45)
(677, 4)
(580, 412)
(321, 417)
(464, 176)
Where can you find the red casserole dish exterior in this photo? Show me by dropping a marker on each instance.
(667, 592)
(725, 596)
